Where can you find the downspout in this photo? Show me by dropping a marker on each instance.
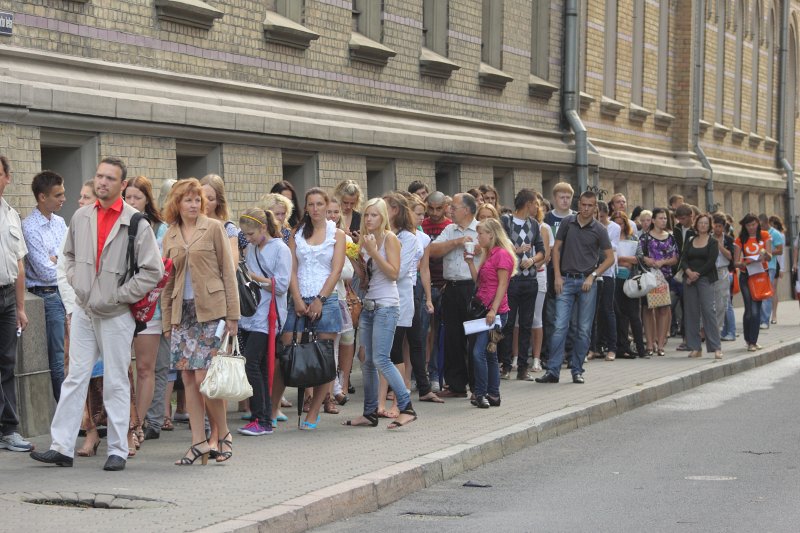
(783, 94)
(699, 48)
(570, 93)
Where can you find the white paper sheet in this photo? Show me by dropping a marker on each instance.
(755, 267)
(478, 325)
(627, 248)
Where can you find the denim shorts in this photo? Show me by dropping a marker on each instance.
(329, 322)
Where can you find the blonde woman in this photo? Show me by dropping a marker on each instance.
(217, 209)
(282, 208)
(487, 211)
(349, 195)
(497, 268)
(380, 249)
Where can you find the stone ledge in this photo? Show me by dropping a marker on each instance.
(195, 13)
(637, 113)
(281, 30)
(738, 134)
(720, 130)
(435, 65)
(540, 88)
(662, 118)
(366, 50)
(610, 107)
(585, 100)
(704, 125)
(755, 138)
(491, 77)
(770, 142)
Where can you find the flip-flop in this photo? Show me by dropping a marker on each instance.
(385, 414)
(431, 397)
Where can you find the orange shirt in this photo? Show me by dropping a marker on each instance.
(105, 221)
(753, 247)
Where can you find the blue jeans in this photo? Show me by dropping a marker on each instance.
(436, 296)
(377, 335)
(729, 329)
(571, 294)
(766, 305)
(752, 312)
(55, 324)
(485, 366)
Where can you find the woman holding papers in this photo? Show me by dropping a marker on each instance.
(491, 280)
(752, 250)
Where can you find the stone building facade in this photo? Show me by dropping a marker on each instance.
(452, 92)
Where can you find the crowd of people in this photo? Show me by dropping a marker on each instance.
(438, 295)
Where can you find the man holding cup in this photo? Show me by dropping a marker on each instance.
(455, 239)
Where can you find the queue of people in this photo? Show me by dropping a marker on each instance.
(393, 282)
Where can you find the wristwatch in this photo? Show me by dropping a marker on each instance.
(322, 299)
(594, 275)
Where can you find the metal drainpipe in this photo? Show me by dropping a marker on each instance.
(697, 88)
(783, 94)
(570, 93)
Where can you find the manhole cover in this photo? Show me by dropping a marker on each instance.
(710, 478)
(87, 500)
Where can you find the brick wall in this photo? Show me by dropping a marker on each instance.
(20, 144)
(249, 172)
(408, 170)
(334, 168)
(153, 157)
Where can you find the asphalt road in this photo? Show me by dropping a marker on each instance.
(723, 457)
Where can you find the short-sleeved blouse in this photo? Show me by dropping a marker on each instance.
(498, 259)
(753, 247)
(659, 250)
(314, 262)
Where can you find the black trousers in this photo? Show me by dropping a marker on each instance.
(255, 353)
(416, 342)
(457, 360)
(522, 293)
(9, 421)
(628, 314)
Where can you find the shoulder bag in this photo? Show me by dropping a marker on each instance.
(308, 363)
(226, 378)
(641, 283)
(760, 286)
(249, 291)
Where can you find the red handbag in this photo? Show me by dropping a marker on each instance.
(760, 286)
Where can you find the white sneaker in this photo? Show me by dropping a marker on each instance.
(537, 365)
(435, 386)
(15, 443)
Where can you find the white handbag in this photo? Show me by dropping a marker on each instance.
(640, 284)
(226, 378)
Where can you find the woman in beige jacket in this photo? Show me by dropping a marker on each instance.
(202, 291)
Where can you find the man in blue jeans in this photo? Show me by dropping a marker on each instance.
(44, 233)
(576, 254)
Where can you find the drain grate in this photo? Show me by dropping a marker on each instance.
(87, 500)
(434, 515)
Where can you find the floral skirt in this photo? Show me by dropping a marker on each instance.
(192, 343)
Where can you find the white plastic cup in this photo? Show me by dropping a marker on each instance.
(469, 246)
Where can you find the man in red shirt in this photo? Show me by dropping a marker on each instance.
(432, 226)
(95, 253)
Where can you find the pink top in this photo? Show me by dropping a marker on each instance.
(499, 259)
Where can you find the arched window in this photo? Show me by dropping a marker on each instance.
(755, 75)
(790, 110)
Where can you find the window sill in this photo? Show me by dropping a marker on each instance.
(436, 66)
(366, 50)
(704, 125)
(493, 78)
(770, 142)
(610, 107)
(755, 138)
(721, 131)
(540, 88)
(662, 118)
(281, 30)
(637, 113)
(193, 13)
(586, 100)
(738, 134)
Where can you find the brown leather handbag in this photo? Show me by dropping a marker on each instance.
(354, 305)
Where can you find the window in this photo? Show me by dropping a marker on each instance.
(504, 183)
(720, 74)
(448, 177)
(380, 177)
(72, 155)
(663, 55)
(195, 160)
(291, 9)
(771, 57)
(301, 170)
(435, 25)
(638, 53)
(737, 89)
(610, 50)
(492, 33)
(790, 110)
(540, 39)
(756, 70)
(367, 18)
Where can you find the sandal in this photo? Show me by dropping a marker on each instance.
(342, 399)
(167, 425)
(306, 404)
(139, 437)
(305, 425)
(285, 402)
(383, 413)
(89, 451)
(431, 397)
(224, 456)
(186, 460)
(329, 406)
(409, 411)
(371, 418)
(133, 442)
(610, 356)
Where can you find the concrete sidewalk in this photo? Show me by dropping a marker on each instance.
(294, 480)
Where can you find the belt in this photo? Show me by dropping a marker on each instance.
(458, 282)
(371, 305)
(7, 287)
(572, 275)
(45, 290)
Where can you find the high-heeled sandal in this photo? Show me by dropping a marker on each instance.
(329, 406)
(91, 452)
(139, 436)
(695, 354)
(196, 454)
(167, 425)
(409, 410)
(223, 456)
(371, 418)
(133, 442)
(305, 425)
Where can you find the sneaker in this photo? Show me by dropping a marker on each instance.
(727, 339)
(505, 374)
(578, 378)
(255, 429)
(524, 376)
(435, 385)
(180, 417)
(15, 443)
(537, 364)
(764, 326)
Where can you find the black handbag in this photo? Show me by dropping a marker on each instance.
(249, 291)
(476, 309)
(308, 363)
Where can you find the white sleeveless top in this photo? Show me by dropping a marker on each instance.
(381, 289)
(314, 262)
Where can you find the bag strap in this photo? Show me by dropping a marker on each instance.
(130, 255)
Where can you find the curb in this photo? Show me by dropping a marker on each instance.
(369, 492)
